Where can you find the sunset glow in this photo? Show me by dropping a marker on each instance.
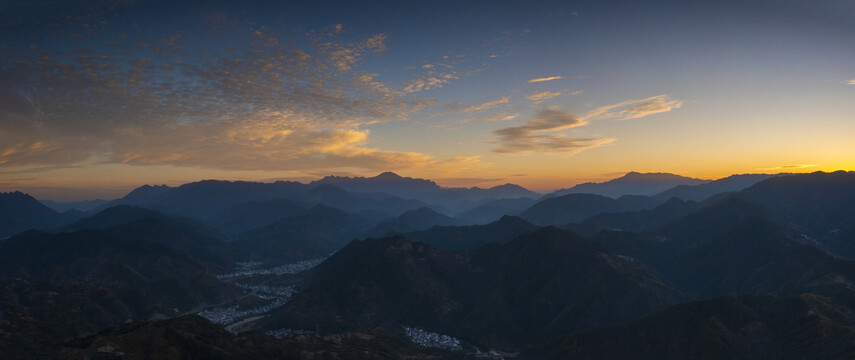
(96, 100)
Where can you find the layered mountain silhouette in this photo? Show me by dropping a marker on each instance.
(466, 238)
(255, 214)
(334, 196)
(387, 182)
(81, 206)
(701, 192)
(412, 220)
(821, 202)
(577, 207)
(19, 212)
(492, 210)
(750, 266)
(429, 192)
(636, 221)
(123, 214)
(206, 198)
(632, 183)
(317, 233)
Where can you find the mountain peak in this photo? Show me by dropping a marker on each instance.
(633, 183)
(635, 175)
(387, 176)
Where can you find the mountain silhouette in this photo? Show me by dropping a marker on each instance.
(545, 283)
(206, 198)
(412, 220)
(632, 183)
(701, 192)
(492, 210)
(57, 287)
(19, 212)
(464, 238)
(255, 214)
(334, 196)
(727, 327)
(317, 233)
(821, 202)
(426, 191)
(574, 208)
(636, 221)
(82, 206)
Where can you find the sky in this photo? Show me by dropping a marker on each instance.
(99, 97)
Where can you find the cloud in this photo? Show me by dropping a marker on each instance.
(530, 138)
(487, 105)
(533, 136)
(547, 143)
(250, 104)
(541, 96)
(537, 80)
(633, 109)
(851, 82)
(789, 167)
(467, 181)
(500, 117)
(433, 80)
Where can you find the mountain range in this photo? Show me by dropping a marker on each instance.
(749, 266)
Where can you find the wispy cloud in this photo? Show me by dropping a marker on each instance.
(789, 167)
(530, 137)
(851, 82)
(633, 109)
(467, 181)
(487, 105)
(537, 80)
(541, 96)
(500, 117)
(538, 134)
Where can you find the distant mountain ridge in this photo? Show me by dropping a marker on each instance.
(390, 181)
(633, 183)
(701, 192)
(62, 206)
(317, 233)
(468, 238)
(205, 198)
(408, 187)
(573, 208)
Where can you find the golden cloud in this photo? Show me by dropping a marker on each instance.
(541, 96)
(532, 137)
(487, 105)
(633, 109)
(500, 117)
(537, 80)
(253, 105)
